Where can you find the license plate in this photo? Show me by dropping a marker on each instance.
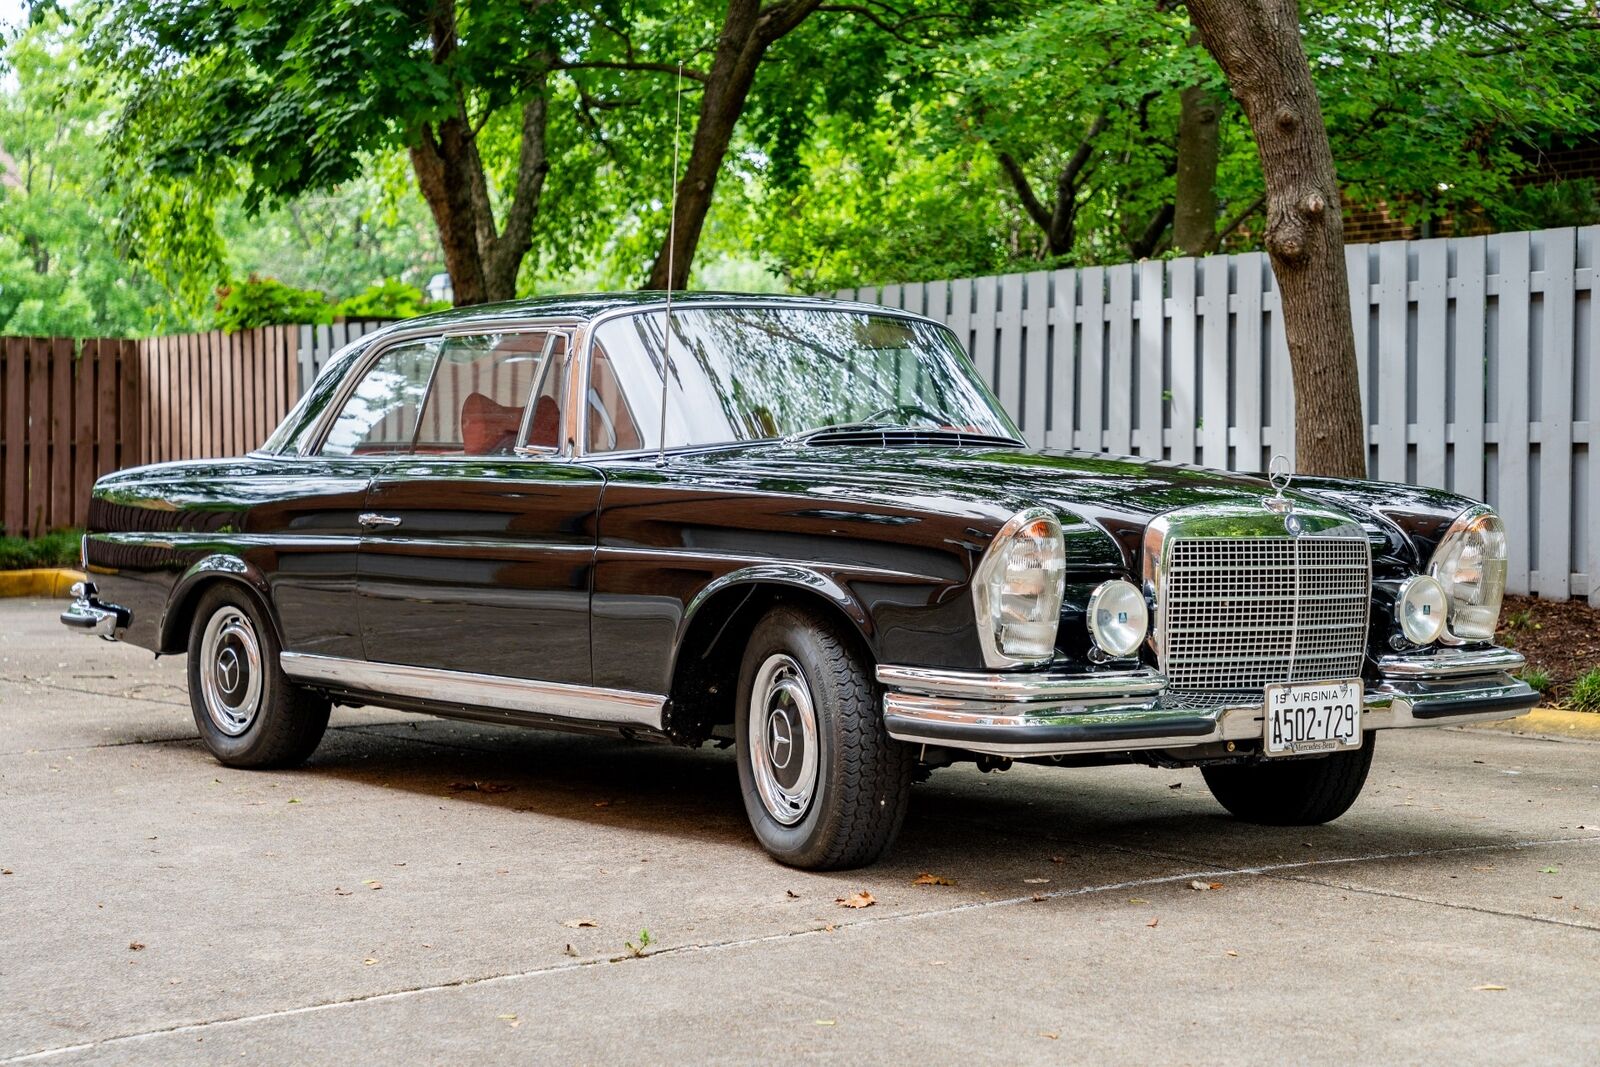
(1310, 717)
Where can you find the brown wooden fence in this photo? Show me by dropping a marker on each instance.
(71, 411)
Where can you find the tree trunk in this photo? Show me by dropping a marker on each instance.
(1257, 44)
(1194, 221)
(439, 159)
(733, 72)
(748, 31)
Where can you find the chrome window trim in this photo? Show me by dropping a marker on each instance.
(314, 441)
(581, 443)
(556, 700)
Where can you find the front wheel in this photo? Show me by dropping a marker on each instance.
(824, 785)
(248, 712)
(1299, 792)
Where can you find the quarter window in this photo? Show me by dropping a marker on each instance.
(381, 415)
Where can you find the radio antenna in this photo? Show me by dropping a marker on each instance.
(672, 248)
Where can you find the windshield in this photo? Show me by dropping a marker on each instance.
(751, 373)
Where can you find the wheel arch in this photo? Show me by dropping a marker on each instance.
(711, 638)
(207, 573)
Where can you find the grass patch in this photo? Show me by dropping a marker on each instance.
(1586, 691)
(1539, 680)
(56, 549)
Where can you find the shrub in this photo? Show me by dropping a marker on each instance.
(1538, 680)
(391, 300)
(1586, 691)
(59, 548)
(260, 301)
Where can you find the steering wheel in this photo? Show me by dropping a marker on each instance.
(904, 409)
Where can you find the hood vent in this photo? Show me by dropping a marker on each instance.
(908, 437)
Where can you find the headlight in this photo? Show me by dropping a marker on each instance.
(1470, 564)
(1017, 590)
(1421, 609)
(1118, 619)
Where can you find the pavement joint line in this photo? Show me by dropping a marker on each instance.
(1418, 899)
(44, 684)
(1268, 870)
(195, 739)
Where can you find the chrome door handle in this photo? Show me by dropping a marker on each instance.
(372, 520)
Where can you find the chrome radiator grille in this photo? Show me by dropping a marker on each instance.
(1236, 614)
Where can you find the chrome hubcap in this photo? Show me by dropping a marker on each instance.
(783, 739)
(230, 671)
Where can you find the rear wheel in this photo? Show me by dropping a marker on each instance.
(1300, 792)
(824, 785)
(248, 712)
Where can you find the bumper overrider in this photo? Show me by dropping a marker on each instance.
(89, 614)
(1026, 713)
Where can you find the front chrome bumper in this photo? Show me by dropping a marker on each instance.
(1026, 714)
(88, 613)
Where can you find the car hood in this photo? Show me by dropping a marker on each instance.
(1111, 498)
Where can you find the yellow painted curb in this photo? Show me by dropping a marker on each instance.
(1549, 722)
(51, 581)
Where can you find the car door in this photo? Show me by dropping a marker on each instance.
(479, 550)
(309, 512)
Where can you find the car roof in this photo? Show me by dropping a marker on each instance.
(588, 306)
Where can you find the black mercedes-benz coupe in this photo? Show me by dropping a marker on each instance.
(802, 526)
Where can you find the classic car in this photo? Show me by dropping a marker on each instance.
(801, 528)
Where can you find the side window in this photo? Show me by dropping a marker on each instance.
(381, 415)
(478, 403)
(611, 427)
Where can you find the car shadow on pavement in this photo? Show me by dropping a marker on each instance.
(962, 819)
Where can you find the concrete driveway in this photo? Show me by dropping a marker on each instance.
(434, 892)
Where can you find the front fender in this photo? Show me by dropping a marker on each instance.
(781, 574)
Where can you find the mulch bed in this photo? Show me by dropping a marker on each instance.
(1558, 636)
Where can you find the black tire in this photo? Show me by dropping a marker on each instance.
(1298, 792)
(862, 782)
(283, 724)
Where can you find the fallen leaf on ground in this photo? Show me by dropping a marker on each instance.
(1175, 785)
(827, 1022)
(792, 894)
(827, 928)
(373, 883)
(602, 803)
(1137, 900)
(1154, 922)
(1039, 898)
(294, 800)
(342, 892)
(570, 950)
(1035, 881)
(1549, 870)
(1230, 952)
(369, 961)
(1053, 1035)
(1200, 886)
(930, 879)
(862, 899)
(579, 923)
(135, 946)
(1489, 988)
(480, 787)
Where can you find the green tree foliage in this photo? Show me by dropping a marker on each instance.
(60, 272)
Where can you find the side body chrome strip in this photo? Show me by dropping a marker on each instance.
(556, 700)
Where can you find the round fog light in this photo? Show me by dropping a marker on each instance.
(1421, 609)
(1118, 619)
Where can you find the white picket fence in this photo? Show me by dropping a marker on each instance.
(318, 343)
(1477, 355)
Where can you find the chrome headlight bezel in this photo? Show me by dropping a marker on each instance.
(1476, 545)
(1018, 628)
(1121, 636)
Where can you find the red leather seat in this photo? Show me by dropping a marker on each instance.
(488, 427)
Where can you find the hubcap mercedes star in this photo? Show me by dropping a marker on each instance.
(783, 739)
(230, 671)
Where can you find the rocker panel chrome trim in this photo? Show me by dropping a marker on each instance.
(557, 700)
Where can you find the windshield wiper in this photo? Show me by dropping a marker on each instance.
(840, 427)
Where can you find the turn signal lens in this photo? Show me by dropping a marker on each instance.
(1017, 590)
(1421, 609)
(1118, 618)
(1470, 564)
